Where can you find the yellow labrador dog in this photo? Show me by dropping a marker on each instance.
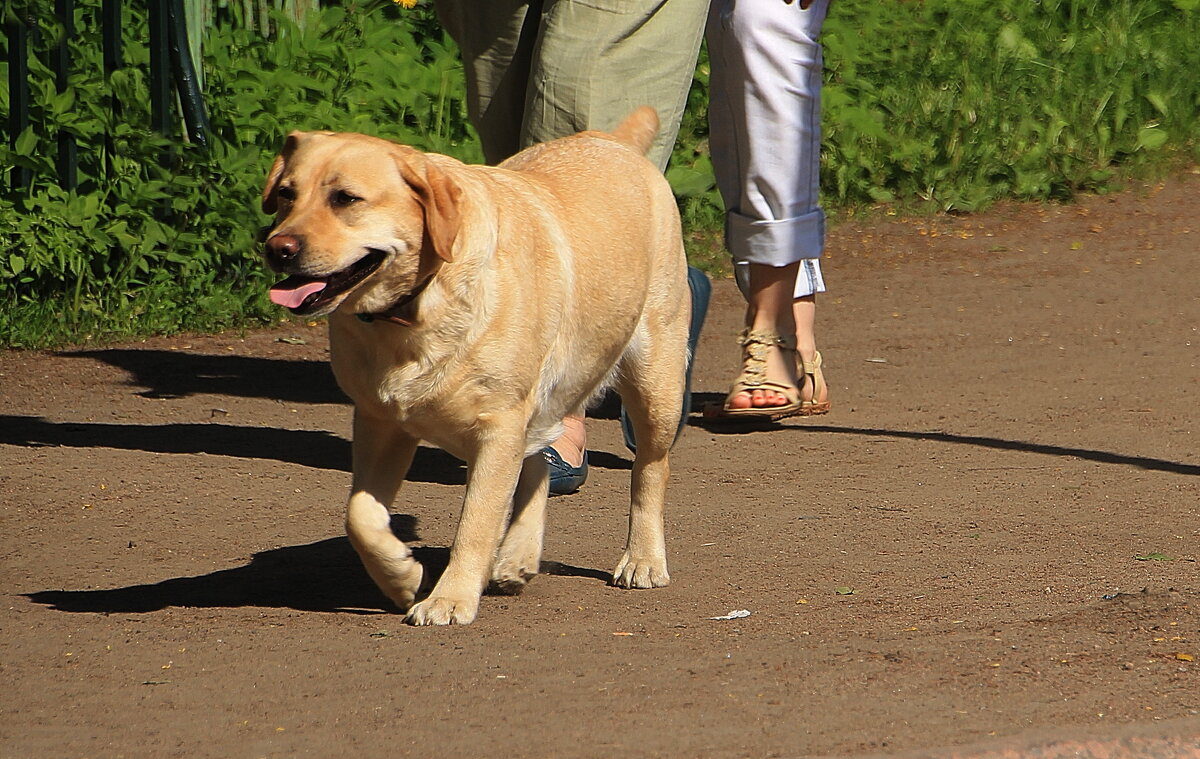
(474, 307)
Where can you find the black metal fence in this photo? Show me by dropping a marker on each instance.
(173, 77)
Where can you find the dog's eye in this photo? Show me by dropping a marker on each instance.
(341, 199)
(286, 193)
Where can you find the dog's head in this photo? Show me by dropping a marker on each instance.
(359, 221)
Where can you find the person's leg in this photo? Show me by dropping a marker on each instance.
(556, 67)
(537, 70)
(566, 457)
(767, 69)
(496, 39)
(804, 311)
(804, 316)
(769, 312)
(813, 392)
(767, 309)
(765, 139)
(597, 60)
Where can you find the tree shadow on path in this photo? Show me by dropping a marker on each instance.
(178, 374)
(937, 436)
(312, 448)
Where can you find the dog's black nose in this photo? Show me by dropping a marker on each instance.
(283, 249)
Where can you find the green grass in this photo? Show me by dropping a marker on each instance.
(158, 309)
(1006, 99)
(929, 106)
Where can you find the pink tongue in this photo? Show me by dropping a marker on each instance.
(292, 291)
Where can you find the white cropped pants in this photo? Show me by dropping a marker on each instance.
(765, 133)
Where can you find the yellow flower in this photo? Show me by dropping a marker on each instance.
(405, 3)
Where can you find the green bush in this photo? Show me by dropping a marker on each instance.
(159, 237)
(1024, 98)
(944, 104)
(953, 104)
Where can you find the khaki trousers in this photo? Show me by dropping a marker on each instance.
(537, 70)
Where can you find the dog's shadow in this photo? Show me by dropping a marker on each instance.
(325, 576)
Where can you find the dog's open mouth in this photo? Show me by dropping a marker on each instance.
(303, 295)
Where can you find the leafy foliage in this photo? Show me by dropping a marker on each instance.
(159, 236)
(950, 103)
(1016, 98)
(956, 103)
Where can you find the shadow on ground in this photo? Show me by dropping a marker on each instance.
(325, 576)
(174, 374)
(317, 449)
(741, 426)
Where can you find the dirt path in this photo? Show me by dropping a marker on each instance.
(988, 548)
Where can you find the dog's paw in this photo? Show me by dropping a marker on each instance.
(512, 573)
(400, 581)
(402, 597)
(641, 573)
(509, 582)
(437, 610)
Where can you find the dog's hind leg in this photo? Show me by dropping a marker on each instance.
(521, 552)
(651, 388)
(382, 455)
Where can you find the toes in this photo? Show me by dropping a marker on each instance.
(767, 399)
(443, 611)
(741, 401)
(633, 573)
(757, 399)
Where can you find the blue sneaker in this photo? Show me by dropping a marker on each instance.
(701, 290)
(564, 478)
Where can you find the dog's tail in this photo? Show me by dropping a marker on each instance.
(639, 129)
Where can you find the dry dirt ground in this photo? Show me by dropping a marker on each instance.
(989, 547)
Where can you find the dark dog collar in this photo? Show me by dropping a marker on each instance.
(403, 312)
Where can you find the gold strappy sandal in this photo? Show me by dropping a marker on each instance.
(755, 347)
(812, 374)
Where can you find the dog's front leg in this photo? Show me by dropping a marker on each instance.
(491, 480)
(382, 454)
(521, 552)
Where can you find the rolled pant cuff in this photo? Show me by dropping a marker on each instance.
(777, 242)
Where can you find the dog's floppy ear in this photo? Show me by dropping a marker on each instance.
(269, 204)
(439, 197)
